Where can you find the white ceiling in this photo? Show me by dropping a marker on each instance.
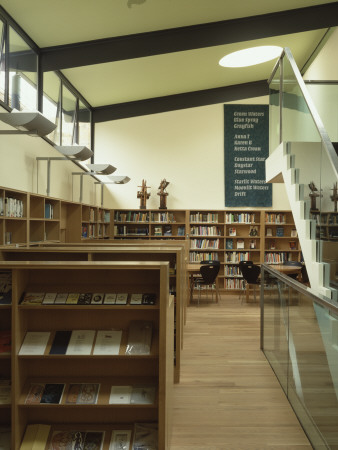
(53, 23)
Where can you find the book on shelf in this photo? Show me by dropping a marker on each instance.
(148, 299)
(32, 298)
(240, 243)
(136, 299)
(72, 298)
(49, 298)
(5, 392)
(120, 440)
(109, 299)
(83, 393)
(5, 287)
(229, 244)
(158, 231)
(76, 439)
(34, 343)
(232, 231)
(143, 395)
(253, 244)
(253, 231)
(48, 211)
(139, 337)
(50, 393)
(97, 299)
(81, 342)
(61, 298)
(35, 437)
(167, 230)
(181, 230)
(293, 245)
(272, 244)
(269, 232)
(120, 395)
(60, 342)
(85, 299)
(5, 342)
(279, 231)
(145, 436)
(8, 237)
(294, 233)
(121, 298)
(107, 342)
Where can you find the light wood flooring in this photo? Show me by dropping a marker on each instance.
(228, 397)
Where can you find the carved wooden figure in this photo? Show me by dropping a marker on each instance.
(163, 193)
(143, 195)
(313, 195)
(334, 196)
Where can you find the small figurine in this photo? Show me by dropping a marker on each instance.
(313, 195)
(163, 194)
(334, 196)
(143, 195)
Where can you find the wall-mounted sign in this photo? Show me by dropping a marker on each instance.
(246, 146)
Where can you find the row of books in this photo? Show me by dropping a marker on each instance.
(239, 243)
(205, 256)
(204, 243)
(73, 298)
(232, 271)
(49, 211)
(11, 207)
(89, 342)
(277, 257)
(163, 217)
(275, 218)
(122, 230)
(233, 283)
(131, 216)
(240, 218)
(88, 394)
(236, 257)
(205, 231)
(43, 437)
(204, 217)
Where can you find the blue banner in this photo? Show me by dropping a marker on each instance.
(246, 146)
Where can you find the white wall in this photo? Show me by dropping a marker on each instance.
(185, 147)
(20, 170)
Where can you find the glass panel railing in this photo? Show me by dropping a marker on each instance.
(314, 157)
(300, 341)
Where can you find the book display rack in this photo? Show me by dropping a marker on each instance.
(68, 360)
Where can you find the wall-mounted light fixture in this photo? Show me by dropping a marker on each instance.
(24, 122)
(70, 152)
(122, 179)
(96, 169)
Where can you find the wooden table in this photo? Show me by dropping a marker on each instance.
(288, 270)
(192, 269)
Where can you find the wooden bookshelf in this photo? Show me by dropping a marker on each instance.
(155, 368)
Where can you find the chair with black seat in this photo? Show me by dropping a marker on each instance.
(251, 274)
(209, 272)
(240, 265)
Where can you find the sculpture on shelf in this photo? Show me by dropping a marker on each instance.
(143, 195)
(163, 193)
(334, 196)
(313, 195)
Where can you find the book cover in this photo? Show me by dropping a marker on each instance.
(269, 231)
(143, 395)
(60, 342)
(107, 342)
(294, 233)
(279, 231)
(36, 437)
(61, 298)
(85, 299)
(5, 342)
(76, 440)
(97, 299)
(83, 393)
(120, 395)
(72, 298)
(33, 298)
(139, 337)
(232, 231)
(35, 392)
(49, 298)
(34, 343)
(109, 299)
(145, 436)
(120, 440)
(81, 342)
(229, 244)
(240, 243)
(148, 299)
(121, 299)
(52, 393)
(136, 299)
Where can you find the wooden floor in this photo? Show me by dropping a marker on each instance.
(229, 397)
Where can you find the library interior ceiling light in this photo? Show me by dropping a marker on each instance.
(115, 179)
(27, 122)
(101, 169)
(251, 56)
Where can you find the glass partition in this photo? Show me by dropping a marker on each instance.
(51, 104)
(23, 75)
(298, 124)
(299, 339)
(2, 61)
(84, 130)
(68, 117)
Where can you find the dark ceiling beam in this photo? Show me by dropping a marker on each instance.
(188, 38)
(180, 101)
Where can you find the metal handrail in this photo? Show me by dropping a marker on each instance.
(331, 153)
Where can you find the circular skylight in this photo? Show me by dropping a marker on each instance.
(251, 56)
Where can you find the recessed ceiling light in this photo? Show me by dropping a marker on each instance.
(251, 56)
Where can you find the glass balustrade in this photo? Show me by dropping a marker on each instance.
(300, 341)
